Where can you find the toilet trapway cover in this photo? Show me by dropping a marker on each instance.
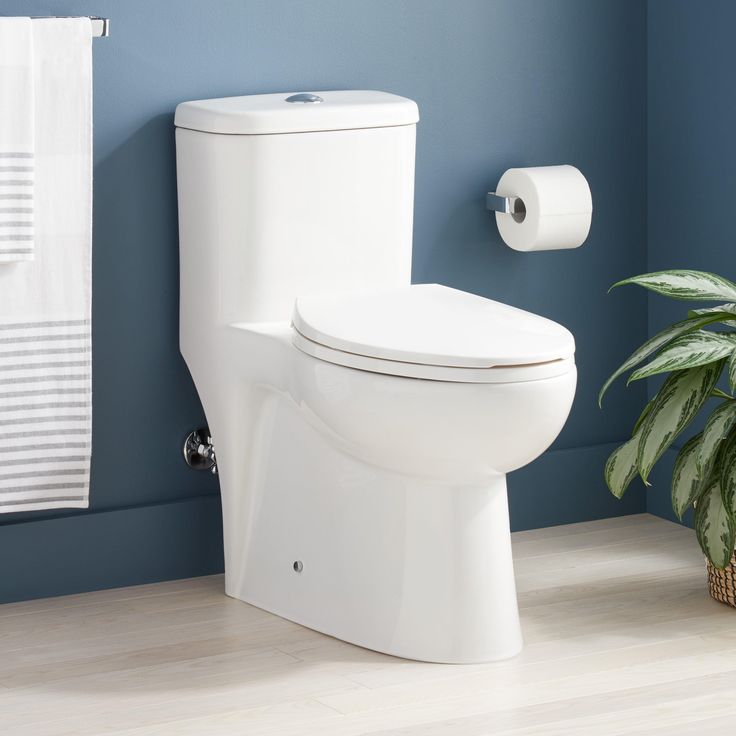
(431, 325)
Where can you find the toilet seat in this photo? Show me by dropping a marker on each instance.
(432, 332)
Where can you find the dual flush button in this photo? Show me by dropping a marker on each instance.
(305, 97)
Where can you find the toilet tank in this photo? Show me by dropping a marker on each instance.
(280, 198)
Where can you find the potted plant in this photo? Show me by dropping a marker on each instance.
(694, 353)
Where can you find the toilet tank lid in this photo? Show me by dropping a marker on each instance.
(268, 114)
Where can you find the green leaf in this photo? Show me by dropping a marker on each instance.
(732, 371)
(657, 342)
(686, 478)
(685, 284)
(696, 348)
(644, 414)
(678, 401)
(716, 393)
(728, 476)
(728, 308)
(621, 467)
(719, 425)
(714, 526)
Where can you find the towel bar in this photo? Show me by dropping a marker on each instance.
(100, 26)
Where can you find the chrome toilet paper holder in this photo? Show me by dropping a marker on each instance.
(513, 206)
(542, 208)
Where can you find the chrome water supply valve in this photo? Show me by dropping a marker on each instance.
(199, 452)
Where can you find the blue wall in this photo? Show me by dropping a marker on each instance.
(691, 156)
(499, 84)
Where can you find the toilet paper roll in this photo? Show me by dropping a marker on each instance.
(554, 211)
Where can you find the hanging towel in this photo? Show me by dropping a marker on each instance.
(45, 315)
(16, 139)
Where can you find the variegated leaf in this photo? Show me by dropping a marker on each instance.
(717, 428)
(714, 526)
(644, 414)
(696, 348)
(732, 371)
(621, 467)
(728, 477)
(678, 401)
(728, 308)
(657, 342)
(686, 478)
(716, 393)
(685, 284)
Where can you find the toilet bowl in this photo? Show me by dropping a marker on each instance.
(364, 426)
(488, 390)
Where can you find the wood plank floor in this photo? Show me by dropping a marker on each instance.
(621, 638)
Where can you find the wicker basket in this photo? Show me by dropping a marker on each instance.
(722, 583)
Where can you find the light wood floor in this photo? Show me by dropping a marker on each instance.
(621, 638)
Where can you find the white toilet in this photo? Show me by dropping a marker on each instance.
(363, 426)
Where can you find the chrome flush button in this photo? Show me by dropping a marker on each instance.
(304, 97)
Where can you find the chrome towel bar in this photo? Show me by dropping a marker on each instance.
(100, 26)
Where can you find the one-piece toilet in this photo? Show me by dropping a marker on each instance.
(363, 426)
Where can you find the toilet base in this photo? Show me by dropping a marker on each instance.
(392, 563)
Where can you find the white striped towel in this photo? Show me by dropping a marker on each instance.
(45, 305)
(16, 139)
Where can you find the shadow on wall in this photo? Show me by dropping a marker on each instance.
(136, 327)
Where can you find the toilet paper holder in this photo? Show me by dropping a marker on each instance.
(513, 206)
(542, 207)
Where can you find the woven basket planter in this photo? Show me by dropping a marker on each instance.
(722, 583)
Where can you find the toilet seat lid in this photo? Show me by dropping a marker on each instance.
(431, 324)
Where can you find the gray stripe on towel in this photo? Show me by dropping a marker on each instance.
(44, 338)
(16, 210)
(16, 237)
(51, 459)
(16, 195)
(16, 182)
(48, 405)
(16, 223)
(43, 487)
(24, 501)
(44, 433)
(51, 473)
(17, 380)
(44, 420)
(15, 251)
(43, 392)
(43, 446)
(42, 351)
(37, 460)
(28, 501)
(48, 323)
(28, 366)
(16, 168)
(16, 154)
